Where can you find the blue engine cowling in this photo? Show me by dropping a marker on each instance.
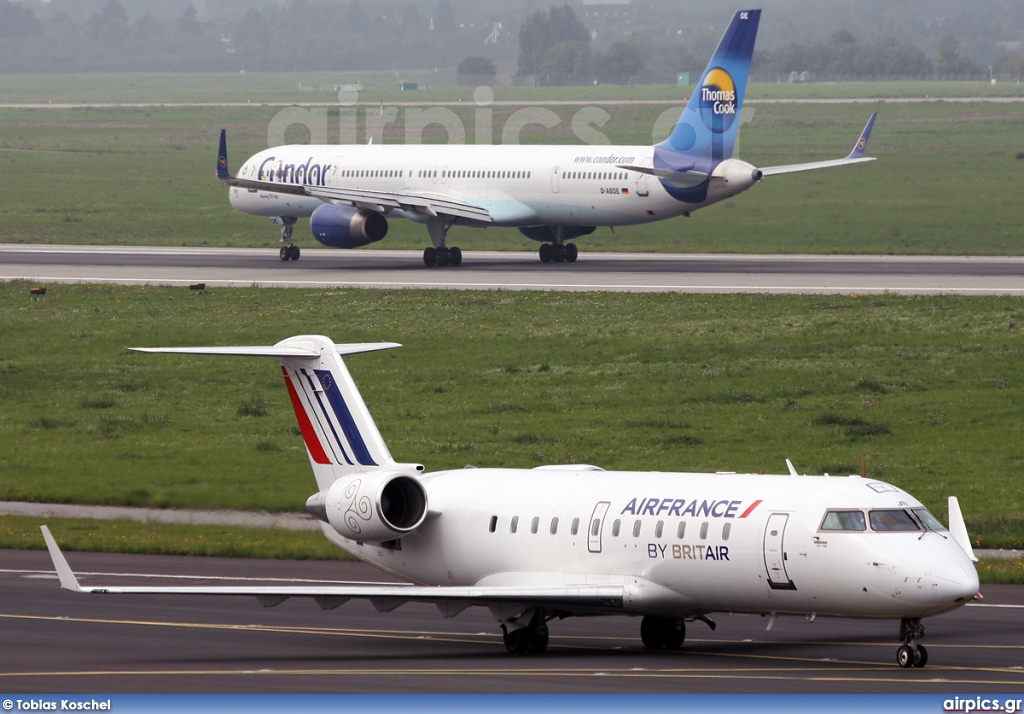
(346, 226)
(546, 234)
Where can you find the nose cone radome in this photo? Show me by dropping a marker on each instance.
(939, 579)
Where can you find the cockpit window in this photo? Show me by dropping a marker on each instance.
(843, 521)
(895, 519)
(930, 522)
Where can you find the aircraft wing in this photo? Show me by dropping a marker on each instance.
(428, 204)
(854, 157)
(450, 600)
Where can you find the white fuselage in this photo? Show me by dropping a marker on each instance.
(518, 185)
(682, 544)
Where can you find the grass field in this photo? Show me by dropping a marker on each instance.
(264, 87)
(947, 180)
(927, 388)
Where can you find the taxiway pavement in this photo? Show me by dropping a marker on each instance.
(55, 641)
(491, 270)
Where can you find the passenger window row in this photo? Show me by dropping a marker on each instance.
(637, 529)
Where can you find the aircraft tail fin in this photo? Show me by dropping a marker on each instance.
(223, 173)
(340, 435)
(711, 120)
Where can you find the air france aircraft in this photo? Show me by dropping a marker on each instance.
(552, 194)
(536, 545)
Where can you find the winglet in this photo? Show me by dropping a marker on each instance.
(68, 581)
(958, 529)
(222, 158)
(862, 143)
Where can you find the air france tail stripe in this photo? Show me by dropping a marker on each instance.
(348, 424)
(316, 449)
(324, 418)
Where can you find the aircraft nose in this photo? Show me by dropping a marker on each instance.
(952, 583)
(937, 577)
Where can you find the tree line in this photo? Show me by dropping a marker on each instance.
(551, 45)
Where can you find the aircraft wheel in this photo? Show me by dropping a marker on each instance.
(558, 253)
(516, 641)
(539, 642)
(285, 253)
(293, 252)
(444, 257)
(429, 257)
(920, 656)
(571, 252)
(455, 257)
(905, 656)
(660, 634)
(546, 252)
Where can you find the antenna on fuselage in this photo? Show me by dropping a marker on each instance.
(792, 471)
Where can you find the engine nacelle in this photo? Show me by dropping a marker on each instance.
(346, 226)
(545, 234)
(731, 177)
(371, 507)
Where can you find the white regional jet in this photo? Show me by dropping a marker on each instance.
(552, 194)
(539, 544)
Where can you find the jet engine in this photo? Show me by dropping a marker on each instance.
(371, 507)
(731, 177)
(338, 226)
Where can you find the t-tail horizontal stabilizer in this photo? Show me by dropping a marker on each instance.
(340, 435)
(854, 157)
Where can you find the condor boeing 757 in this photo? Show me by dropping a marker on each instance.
(552, 194)
(535, 545)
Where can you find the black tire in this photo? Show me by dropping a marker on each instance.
(571, 252)
(455, 256)
(905, 656)
(444, 257)
(546, 250)
(293, 252)
(558, 253)
(285, 253)
(657, 633)
(539, 642)
(429, 257)
(516, 641)
(920, 656)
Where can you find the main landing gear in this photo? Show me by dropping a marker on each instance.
(530, 639)
(907, 654)
(289, 251)
(658, 633)
(558, 252)
(439, 254)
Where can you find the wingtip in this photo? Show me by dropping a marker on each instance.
(862, 141)
(67, 578)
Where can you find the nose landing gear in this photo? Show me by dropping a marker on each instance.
(908, 654)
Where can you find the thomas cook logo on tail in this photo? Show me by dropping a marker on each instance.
(718, 105)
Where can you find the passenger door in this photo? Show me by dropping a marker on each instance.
(775, 552)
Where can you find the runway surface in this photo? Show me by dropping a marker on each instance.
(55, 641)
(516, 270)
